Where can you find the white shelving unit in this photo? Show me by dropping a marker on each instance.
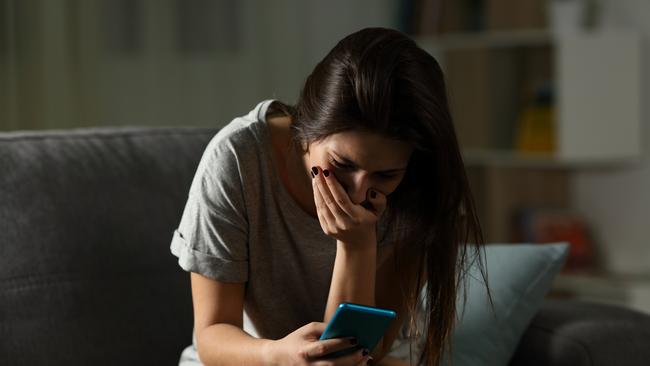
(597, 89)
(599, 96)
(596, 86)
(596, 80)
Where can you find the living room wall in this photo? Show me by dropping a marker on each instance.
(80, 63)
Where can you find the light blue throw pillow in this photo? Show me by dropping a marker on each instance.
(519, 276)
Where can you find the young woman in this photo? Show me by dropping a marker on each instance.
(355, 194)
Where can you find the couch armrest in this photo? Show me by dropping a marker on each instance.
(567, 332)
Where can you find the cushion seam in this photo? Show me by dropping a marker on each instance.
(81, 134)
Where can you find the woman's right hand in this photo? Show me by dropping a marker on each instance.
(303, 347)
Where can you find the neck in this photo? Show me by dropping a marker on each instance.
(299, 172)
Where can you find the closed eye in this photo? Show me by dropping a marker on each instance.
(339, 165)
(386, 176)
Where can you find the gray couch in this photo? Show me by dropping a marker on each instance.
(86, 277)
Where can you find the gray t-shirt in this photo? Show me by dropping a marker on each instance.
(241, 225)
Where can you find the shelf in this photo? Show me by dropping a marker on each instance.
(492, 81)
(631, 291)
(514, 159)
(595, 82)
(579, 281)
(532, 37)
(479, 157)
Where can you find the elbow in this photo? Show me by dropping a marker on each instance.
(206, 352)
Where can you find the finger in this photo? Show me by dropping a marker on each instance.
(313, 329)
(321, 211)
(339, 195)
(325, 347)
(328, 197)
(367, 360)
(320, 186)
(358, 357)
(325, 217)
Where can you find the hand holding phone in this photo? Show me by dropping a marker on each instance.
(365, 323)
(302, 346)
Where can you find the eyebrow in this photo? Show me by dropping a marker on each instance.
(352, 163)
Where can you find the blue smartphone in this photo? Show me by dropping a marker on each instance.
(366, 323)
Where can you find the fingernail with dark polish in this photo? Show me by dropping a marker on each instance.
(373, 194)
(312, 174)
(370, 361)
(326, 173)
(365, 352)
(314, 170)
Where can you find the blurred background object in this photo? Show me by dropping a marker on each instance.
(75, 63)
(550, 104)
(550, 97)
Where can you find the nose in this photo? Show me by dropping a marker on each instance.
(357, 187)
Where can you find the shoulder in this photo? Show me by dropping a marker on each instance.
(235, 151)
(242, 139)
(239, 135)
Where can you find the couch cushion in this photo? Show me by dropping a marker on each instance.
(519, 276)
(575, 333)
(86, 217)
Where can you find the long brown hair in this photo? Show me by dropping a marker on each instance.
(379, 80)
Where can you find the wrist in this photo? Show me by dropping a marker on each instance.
(270, 353)
(362, 250)
(364, 243)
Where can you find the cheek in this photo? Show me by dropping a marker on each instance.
(392, 185)
(344, 178)
(389, 187)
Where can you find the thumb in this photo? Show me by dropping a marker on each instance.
(377, 201)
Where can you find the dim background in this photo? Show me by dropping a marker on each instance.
(101, 63)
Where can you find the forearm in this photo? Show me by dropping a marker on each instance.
(353, 277)
(226, 344)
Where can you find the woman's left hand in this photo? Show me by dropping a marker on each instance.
(339, 217)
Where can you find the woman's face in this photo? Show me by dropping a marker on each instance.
(361, 160)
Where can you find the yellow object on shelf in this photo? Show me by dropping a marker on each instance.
(536, 132)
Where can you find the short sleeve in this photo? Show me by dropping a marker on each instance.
(212, 237)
